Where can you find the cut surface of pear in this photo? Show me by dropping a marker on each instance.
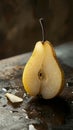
(42, 73)
(13, 98)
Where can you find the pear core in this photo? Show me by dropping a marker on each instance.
(42, 73)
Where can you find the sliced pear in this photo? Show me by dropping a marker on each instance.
(42, 73)
(53, 81)
(13, 98)
(30, 79)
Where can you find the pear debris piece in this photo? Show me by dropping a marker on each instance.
(42, 73)
(13, 98)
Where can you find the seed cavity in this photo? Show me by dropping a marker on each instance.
(40, 75)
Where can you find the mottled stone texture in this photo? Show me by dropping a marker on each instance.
(34, 113)
(20, 29)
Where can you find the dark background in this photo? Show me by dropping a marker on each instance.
(20, 28)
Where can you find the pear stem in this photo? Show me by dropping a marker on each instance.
(41, 20)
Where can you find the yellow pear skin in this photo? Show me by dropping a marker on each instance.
(42, 73)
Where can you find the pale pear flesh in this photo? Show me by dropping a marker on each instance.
(42, 73)
(13, 98)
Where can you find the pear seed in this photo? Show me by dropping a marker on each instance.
(40, 75)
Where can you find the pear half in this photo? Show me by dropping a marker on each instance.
(42, 73)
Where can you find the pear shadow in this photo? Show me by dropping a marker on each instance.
(52, 112)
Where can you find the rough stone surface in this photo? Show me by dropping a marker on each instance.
(34, 113)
